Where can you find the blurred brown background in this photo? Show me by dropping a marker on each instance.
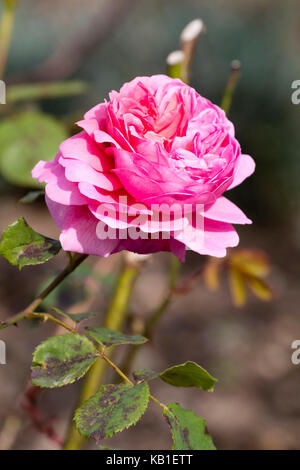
(256, 401)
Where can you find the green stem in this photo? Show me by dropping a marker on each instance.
(75, 261)
(116, 368)
(114, 320)
(156, 315)
(6, 28)
(126, 379)
(231, 85)
(47, 316)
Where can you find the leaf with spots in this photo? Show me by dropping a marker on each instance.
(61, 360)
(188, 430)
(22, 246)
(108, 337)
(113, 409)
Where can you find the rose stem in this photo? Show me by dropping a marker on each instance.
(188, 42)
(231, 85)
(28, 312)
(156, 315)
(114, 320)
(6, 28)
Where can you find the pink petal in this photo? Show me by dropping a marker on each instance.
(103, 138)
(119, 198)
(78, 171)
(216, 237)
(79, 228)
(178, 249)
(58, 188)
(98, 112)
(89, 126)
(245, 166)
(82, 147)
(111, 216)
(224, 210)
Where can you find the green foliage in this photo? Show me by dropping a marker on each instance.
(61, 360)
(113, 409)
(108, 337)
(25, 139)
(22, 246)
(76, 317)
(32, 196)
(188, 430)
(188, 374)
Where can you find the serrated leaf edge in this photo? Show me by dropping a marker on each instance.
(171, 429)
(36, 364)
(145, 406)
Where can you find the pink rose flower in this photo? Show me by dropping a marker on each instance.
(156, 144)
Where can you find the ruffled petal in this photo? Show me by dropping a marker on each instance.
(78, 171)
(82, 147)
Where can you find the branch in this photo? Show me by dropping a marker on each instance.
(6, 27)
(231, 85)
(114, 320)
(28, 312)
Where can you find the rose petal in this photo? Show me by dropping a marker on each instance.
(224, 210)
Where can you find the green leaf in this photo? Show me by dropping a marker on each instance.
(32, 196)
(25, 139)
(112, 409)
(61, 360)
(188, 374)
(76, 317)
(107, 337)
(22, 246)
(188, 429)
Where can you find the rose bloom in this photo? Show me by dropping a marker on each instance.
(156, 144)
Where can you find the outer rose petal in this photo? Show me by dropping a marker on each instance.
(58, 188)
(153, 246)
(147, 223)
(78, 228)
(224, 210)
(245, 166)
(216, 238)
